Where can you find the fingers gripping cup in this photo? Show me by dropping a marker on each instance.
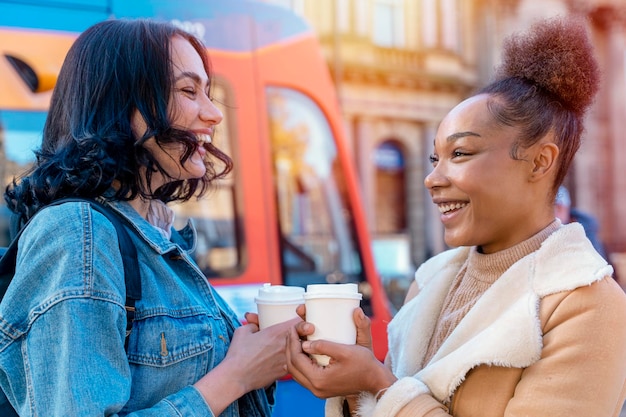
(277, 303)
(330, 308)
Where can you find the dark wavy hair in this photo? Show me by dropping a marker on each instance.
(547, 80)
(113, 68)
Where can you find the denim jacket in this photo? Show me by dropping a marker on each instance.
(63, 323)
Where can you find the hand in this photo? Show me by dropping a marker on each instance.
(352, 368)
(362, 322)
(259, 355)
(254, 360)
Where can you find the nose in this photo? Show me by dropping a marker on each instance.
(436, 178)
(210, 113)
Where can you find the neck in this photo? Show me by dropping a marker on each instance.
(141, 206)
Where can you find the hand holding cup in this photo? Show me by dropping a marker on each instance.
(330, 308)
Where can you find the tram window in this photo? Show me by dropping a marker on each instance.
(316, 229)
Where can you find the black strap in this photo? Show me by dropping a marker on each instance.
(132, 278)
(7, 265)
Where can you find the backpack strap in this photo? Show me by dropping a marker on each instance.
(7, 265)
(132, 279)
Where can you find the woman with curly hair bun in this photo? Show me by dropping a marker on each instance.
(522, 317)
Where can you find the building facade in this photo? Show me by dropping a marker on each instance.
(400, 65)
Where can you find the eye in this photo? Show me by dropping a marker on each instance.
(458, 153)
(433, 159)
(190, 91)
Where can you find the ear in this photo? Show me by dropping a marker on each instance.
(544, 160)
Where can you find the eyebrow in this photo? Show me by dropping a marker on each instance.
(459, 135)
(189, 74)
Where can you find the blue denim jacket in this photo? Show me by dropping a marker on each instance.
(62, 323)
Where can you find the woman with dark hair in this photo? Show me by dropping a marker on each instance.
(130, 125)
(522, 317)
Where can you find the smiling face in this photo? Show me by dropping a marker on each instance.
(485, 197)
(190, 109)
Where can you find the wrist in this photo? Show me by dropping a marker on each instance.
(220, 387)
(384, 379)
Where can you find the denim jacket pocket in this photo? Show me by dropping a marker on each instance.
(167, 354)
(163, 340)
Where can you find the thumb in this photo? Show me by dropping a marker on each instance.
(323, 347)
(363, 329)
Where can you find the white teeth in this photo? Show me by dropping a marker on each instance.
(444, 208)
(202, 138)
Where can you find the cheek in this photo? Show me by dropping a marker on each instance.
(181, 113)
(487, 191)
(469, 178)
(167, 156)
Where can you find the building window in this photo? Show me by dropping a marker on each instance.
(342, 13)
(361, 17)
(440, 24)
(388, 17)
(390, 188)
(450, 24)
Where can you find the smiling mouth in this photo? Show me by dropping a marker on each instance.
(203, 139)
(450, 207)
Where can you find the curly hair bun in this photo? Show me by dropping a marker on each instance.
(557, 55)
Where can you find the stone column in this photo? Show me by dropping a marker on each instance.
(600, 179)
(363, 142)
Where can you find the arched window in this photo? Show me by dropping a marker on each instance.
(390, 188)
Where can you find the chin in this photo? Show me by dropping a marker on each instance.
(196, 171)
(455, 241)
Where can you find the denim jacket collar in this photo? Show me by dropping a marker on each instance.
(185, 238)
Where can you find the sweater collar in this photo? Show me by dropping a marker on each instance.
(489, 267)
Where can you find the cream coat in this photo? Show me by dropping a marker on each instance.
(547, 339)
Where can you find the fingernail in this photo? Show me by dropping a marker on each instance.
(306, 345)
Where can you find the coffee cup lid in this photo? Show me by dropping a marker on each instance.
(332, 291)
(280, 294)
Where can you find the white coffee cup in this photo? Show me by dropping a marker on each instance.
(330, 308)
(277, 303)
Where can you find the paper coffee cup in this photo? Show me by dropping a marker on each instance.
(277, 303)
(330, 308)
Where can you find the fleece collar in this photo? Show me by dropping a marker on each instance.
(503, 328)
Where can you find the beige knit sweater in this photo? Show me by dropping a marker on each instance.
(474, 278)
